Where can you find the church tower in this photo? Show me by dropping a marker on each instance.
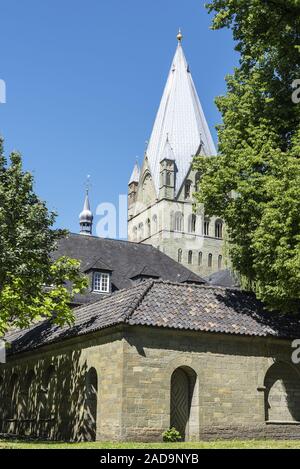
(161, 210)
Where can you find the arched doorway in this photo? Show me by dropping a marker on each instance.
(184, 402)
(91, 404)
(282, 393)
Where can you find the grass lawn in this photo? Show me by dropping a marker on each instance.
(232, 444)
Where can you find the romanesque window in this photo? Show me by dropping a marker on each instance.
(101, 282)
(220, 259)
(135, 233)
(180, 255)
(154, 219)
(282, 393)
(13, 393)
(206, 227)
(178, 221)
(147, 188)
(187, 189)
(190, 257)
(148, 224)
(29, 394)
(192, 223)
(168, 179)
(219, 229)
(141, 231)
(200, 256)
(210, 260)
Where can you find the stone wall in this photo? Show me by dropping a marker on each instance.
(239, 387)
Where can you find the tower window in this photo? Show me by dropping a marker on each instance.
(168, 179)
(187, 190)
(141, 230)
(148, 224)
(200, 258)
(192, 223)
(210, 260)
(220, 259)
(180, 255)
(219, 229)
(154, 223)
(190, 257)
(206, 227)
(178, 221)
(101, 283)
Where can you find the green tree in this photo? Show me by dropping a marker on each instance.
(254, 183)
(32, 285)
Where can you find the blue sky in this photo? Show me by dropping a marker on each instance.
(84, 80)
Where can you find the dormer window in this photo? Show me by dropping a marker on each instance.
(101, 282)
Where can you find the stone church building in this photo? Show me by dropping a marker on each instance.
(153, 344)
(160, 194)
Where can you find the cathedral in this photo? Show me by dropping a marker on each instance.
(160, 193)
(153, 345)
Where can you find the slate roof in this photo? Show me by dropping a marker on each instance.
(223, 278)
(125, 260)
(166, 305)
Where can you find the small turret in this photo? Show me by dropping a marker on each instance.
(167, 172)
(133, 184)
(86, 217)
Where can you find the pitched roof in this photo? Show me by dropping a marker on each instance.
(166, 305)
(124, 259)
(181, 117)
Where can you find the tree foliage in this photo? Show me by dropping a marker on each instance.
(32, 285)
(254, 183)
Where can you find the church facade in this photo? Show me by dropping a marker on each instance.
(160, 193)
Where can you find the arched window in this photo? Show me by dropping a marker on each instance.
(220, 259)
(168, 179)
(210, 260)
(29, 393)
(219, 229)
(155, 225)
(141, 231)
(187, 189)
(192, 223)
(180, 255)
(46, 401)
(148, 224)
(190, 257)
(206, 227)
(13, 393)
(91, 401)
(282, 393)
(135, 233)
(200, 256)
(178, 221)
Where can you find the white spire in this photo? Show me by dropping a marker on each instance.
(135, 176)
(180, 116)
(86, 216)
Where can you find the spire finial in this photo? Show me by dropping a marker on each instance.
(86, 216)
(179, 36)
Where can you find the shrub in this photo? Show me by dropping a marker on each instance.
(171, 435)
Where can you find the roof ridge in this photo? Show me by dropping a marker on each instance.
(198, 285)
